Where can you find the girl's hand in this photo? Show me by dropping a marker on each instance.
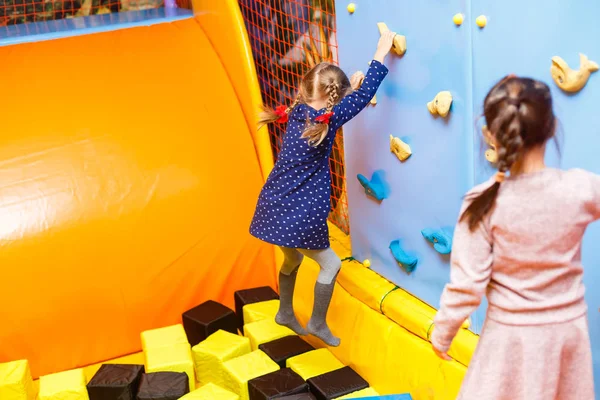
(384, 46)
(356, 80)
(441, 354)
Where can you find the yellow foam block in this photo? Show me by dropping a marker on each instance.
(314, 363)
(360, 394)
(210, 355)
(15, 381)
(242, 369)
(163, 337)
(210, 392)
(68, 385)
(259, 311)
(265, 331)
(174, 358)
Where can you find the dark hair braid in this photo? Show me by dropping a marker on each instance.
(519, 114)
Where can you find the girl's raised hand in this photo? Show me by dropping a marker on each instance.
(356, 79)
(384, 46)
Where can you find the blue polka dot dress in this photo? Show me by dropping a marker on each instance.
(294, 203)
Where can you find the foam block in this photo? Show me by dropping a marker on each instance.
(361, 394)
(15, 381)
(67, 385)
(280, 350)
(210, 392)
(261, 310)
(334, 384)
(210, 355)
(115, 381)
(265, 331)
(173, 358)
(207, 318)
(284, 382)
(245, 368)
(314, 363)
(163, 386)
(250, 296)
(163, 337)
(302, 396)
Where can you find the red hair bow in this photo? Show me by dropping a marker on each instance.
(281, 112)
(324, 118)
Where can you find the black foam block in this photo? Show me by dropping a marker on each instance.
(287, 347)
(163, 386)
(336, 383)
(280, 383)
(207, 318)
(250, 296)
(115, 381)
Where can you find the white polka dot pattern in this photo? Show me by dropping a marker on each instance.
(294, 203)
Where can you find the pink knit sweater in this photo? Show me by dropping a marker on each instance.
(525, 256)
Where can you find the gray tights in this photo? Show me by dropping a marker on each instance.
(330, 265)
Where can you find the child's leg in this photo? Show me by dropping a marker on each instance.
(287, 282)
(330, 265)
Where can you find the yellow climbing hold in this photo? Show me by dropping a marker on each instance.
(399, 44)
(367, 263)
(351, 8)
(458, 19)
(399, 148)
(481, 21)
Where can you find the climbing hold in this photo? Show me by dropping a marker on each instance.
(466, 324)
(367, 263)
(568, 79)
(440, 104)
(406, 261)
(351, 8)
(442, 241)
(373, 188)
(490, 154)
(399, 45)
(399, 148)
(458, 19)
(481, 21)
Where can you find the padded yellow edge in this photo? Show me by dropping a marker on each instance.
(391, 351)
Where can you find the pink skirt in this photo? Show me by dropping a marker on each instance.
(544, 362)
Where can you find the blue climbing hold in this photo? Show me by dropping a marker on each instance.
(442, 241)
(406, 261)
(374, 187)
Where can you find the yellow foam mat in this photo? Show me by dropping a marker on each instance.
(259, 311)
(67, 385)
(15, 381)
(360, 394)
(163, 336)
(264, 331)
(211, 354)
(242, 369)
(364, 284)
(210, 392)
(314, 363)
(174, 358)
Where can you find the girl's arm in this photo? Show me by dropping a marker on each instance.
(354, 103)
(470, 272)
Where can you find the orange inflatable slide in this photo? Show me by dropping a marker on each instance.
(128, 179)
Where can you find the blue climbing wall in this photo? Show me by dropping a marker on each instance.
(426, 191)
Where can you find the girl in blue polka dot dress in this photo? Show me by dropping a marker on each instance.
(294, 203)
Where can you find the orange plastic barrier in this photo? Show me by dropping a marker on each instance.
(128, 179)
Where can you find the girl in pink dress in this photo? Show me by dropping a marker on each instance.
(518, 241)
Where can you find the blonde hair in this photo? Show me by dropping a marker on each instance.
(323, 80)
